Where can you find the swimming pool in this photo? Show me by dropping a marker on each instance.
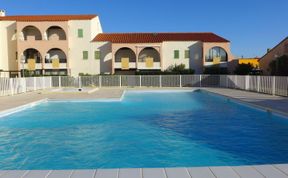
(145, 129)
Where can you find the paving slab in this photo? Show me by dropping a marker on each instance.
(224, 172)
(60, 174)
(107, 173)
(130, 173)
(282, 167)
(83, 174)
(177, 173)
(201, 172)
(247, 172)
(37, 174)
(2, 173)
(270, 172)
(14, 174)
(154, 173)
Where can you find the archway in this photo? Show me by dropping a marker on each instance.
(55, 32)
(57, 54)
(149, 52)
(31, 32)
(32, 54)
(125, 56)
(216, 54)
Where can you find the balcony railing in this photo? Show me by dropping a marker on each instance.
(118, 65)
(141, 65)
(50, 66)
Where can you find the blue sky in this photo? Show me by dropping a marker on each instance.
(252, 26)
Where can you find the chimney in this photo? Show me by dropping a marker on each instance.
(2, 13)
(268, 50)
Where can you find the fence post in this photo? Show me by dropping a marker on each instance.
(160, 81)
(140, 82)
(43, 82)
(34, 82)
(258, 84)
(274, 86)
(11, 86)
(247, 79)
(59, 81)
(200, 81)
(236, 81)
(100, 81)
(50, 82)
(79, 82)
(120, 81)
(180, 78)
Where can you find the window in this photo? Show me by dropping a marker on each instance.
(80, 33)
(97, 55)
(187, 54)
(176, 54)
(85, 55)
(216, 52)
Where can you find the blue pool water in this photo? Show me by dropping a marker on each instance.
(169, 129)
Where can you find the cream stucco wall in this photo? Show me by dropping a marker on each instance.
(8, 45)
(195, 49)
(105, 62)
(77, 45)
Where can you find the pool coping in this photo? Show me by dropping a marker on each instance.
(20, 108)
(252, 171)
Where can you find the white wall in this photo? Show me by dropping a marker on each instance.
(77, 45)
(8, 45)
(194, 62)
(105, 61)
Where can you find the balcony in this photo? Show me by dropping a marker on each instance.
(141, 65)
(50, 66)
(37, 66)
(144, 66)
(118, 65)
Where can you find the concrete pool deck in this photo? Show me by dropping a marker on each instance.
(268, 102)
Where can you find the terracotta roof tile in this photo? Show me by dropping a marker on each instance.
(157, 37)
(33, 18)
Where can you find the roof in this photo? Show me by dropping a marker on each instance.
(37, 18)
(157, 37)
(274, 47)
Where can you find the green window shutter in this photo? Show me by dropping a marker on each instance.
(80, 33)
(97, 55)
(85, 55)
(187, 54)
(176, 54)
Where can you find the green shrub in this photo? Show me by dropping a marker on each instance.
(244, 69)
(216, 70)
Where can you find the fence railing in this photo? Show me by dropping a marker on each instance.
(262, 84)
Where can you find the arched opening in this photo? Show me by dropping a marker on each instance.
(125, 53)
(216, 54)
(33, 55)
(55, 33)
(57, 55)
(31, 33)
(125, 58)
(149, 53)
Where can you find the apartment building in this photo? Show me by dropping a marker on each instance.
(73, 44)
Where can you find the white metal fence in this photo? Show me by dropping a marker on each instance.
(261, 84)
